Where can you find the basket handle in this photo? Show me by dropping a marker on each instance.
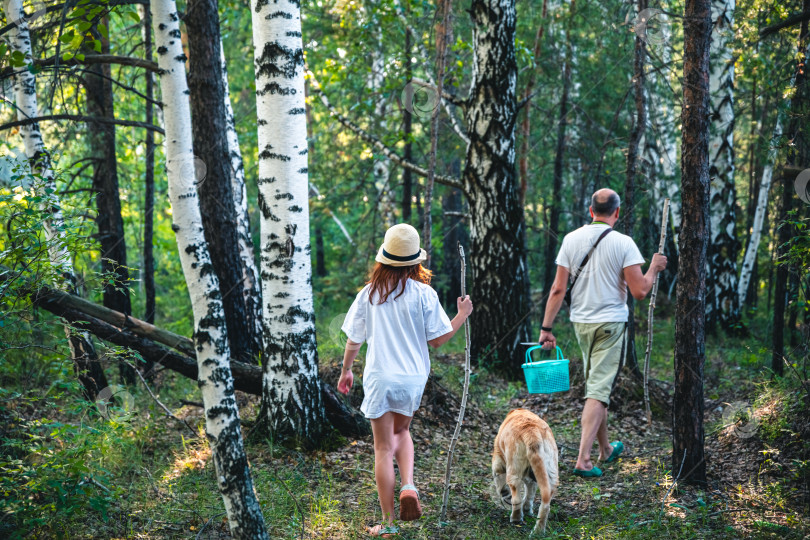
(535, 347)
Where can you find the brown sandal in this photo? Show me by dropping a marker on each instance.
(409, 507)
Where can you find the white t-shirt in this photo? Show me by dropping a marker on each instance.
(397, 360)
(600, 294)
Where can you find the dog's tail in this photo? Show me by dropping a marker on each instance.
(543, 460)
(538, 458)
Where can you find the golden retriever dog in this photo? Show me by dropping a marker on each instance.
(525, 455)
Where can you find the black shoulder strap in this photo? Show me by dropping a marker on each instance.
(584, 262)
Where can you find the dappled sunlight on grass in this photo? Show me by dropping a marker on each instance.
(195, 457)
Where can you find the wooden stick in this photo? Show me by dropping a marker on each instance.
(464, 393)
(661, 243)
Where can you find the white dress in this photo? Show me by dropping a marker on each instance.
(397, 331)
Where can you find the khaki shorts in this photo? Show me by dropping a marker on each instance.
(602, 347)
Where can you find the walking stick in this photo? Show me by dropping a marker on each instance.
(661, 243)
(463, 394)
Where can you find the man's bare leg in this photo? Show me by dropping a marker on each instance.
(594, 425)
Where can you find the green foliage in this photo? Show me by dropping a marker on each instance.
(51, 468)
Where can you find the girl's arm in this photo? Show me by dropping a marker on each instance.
(465, 307)
(346, 375)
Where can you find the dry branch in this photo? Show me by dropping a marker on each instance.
(464, 394)
(79, 118)
(89, 59)
(648, 352)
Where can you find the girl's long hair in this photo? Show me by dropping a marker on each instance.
(386, 279)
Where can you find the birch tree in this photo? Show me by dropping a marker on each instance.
(222, 425)
(291, 397)
(85, 359)
(722, 304)
(209, 129)
(497, 228)
(251, 287)
(755, 235)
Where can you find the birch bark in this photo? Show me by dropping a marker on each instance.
(497, 229)
(222, 423)
(759, 218)
(291, 396)
(251, 288)
(216, 198)
(722, 302)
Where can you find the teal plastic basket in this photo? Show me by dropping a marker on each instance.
(546, 376)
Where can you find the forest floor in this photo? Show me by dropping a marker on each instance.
(756, 462)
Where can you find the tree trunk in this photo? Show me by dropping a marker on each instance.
(85, 360)
(454, 233)
(553, 227)
(629, 199)
(722, 305)
(214, 171)
(101, 104)
(320, 257)
(292, 392)
(149, 179)
(755, 235)
(382, 165)
(497, 230)
(210, 335)
(251, 287)
(796, 153)
(525, 128)
(687, 413)
(443, 35)
(407, 129)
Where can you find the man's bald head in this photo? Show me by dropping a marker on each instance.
(604, 202)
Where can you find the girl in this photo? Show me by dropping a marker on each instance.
(399, 314)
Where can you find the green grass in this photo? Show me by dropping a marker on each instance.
(158, 477)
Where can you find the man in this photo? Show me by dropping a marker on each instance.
(599, 313)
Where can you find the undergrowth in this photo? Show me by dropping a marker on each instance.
(67, 471)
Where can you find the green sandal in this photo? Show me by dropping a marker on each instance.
(618, 448)
(593, 473)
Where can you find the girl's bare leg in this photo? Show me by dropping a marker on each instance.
(384, 447)
(403, 447)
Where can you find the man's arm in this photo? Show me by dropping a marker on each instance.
(640, 284)
(553, 304)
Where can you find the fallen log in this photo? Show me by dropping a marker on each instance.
(146, 339)
(58, 299)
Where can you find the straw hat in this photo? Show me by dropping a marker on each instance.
(401, 247)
